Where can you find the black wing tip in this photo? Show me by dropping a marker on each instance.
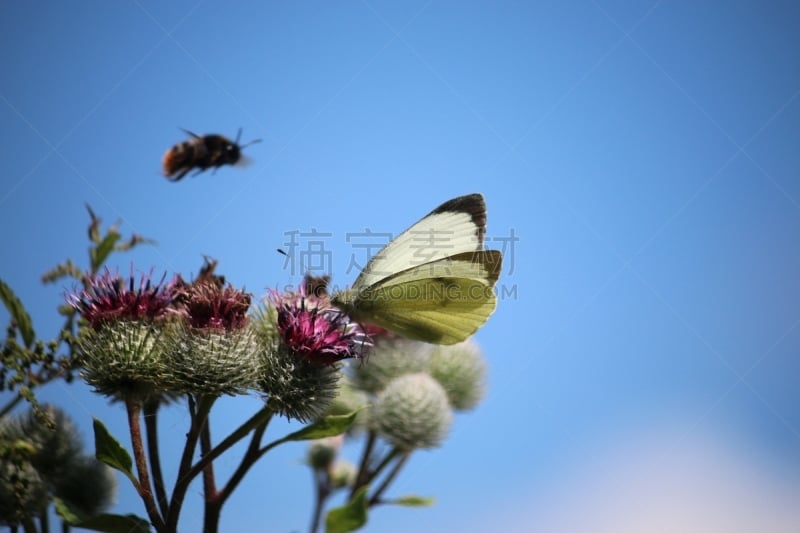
(472, 204)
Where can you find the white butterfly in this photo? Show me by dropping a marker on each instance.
(434, 282)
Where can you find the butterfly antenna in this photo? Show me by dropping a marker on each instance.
(238, 136)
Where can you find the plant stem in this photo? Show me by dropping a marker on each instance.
(10, 405)
(322, 483)
(134, 408)
(44, 522)
(215, 501)
(199, 414)
(209, 484)
(252, 455)
(213, 507)
(376, 497)
(363, 469)
(187, 472)
(381, 466)
(254, 421)
(151, 430)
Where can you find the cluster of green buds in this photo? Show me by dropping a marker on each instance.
(154, 340)
(41, 458)
(405, 396)
(413, 389)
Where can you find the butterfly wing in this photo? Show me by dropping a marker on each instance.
(442, 302)
(454, 227)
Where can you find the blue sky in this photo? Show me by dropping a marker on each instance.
(644, 153)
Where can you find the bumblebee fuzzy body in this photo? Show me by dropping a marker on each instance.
(201, 153)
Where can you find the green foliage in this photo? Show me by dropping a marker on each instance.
(412, 501)
(108, 450)
(109, 523)
(324, 427)
(19, 316)
(88, 485)
(36, 362)
(349, 517)
(42, 460)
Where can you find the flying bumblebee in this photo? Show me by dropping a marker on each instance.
(202, 152)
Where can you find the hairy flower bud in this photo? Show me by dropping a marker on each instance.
(413, 412)
(389, 358)
(343, 474)
(461, 370)
(322, 452)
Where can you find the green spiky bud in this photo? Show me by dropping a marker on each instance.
(413, 412)
(264, 323)
(461, 370)
(296, 388)
(389, 358)
(212, 361)
(123, 359)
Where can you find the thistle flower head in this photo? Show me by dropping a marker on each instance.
(212, 351)
(314, 331)
(209, 305)
(120, 351)
(302, 338)
(107, 297)
(213, 361)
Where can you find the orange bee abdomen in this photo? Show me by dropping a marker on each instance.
(180, 159)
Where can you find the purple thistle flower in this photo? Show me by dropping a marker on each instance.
(106, 298)
(315, 332)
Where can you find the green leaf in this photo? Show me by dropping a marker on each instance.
(94, 225)
(100, 253)
(412, 501)
(109, 451)
(349, 517)
(65, 270)
(109, 523)
(21, 317)
(66, 512)
(134, 241)
(116, 523)
(324, 427)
